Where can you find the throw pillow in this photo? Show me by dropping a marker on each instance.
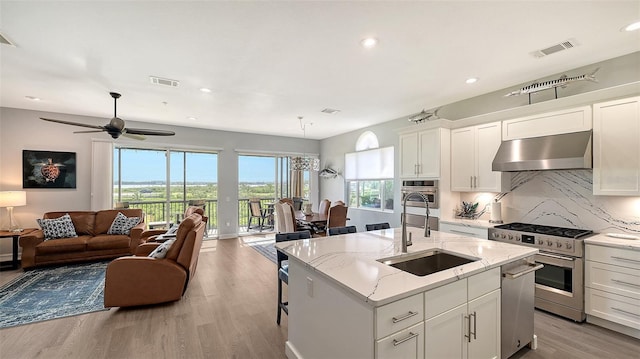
(161, 250)
(123, 224)
(54, 228)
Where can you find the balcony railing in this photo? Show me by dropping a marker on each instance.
(156, 212)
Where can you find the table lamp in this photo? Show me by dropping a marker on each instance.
(10, 199)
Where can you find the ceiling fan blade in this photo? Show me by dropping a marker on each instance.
(134, 136)
(72, 123)
(89, 131)
(142, 131)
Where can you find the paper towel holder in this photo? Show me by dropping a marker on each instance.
(499, 219)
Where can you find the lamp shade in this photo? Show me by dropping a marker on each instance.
(13, 198)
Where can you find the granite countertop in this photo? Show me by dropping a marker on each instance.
(477, 223)
(604, 240)
(350, 260)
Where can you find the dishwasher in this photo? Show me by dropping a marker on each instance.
(517, 301)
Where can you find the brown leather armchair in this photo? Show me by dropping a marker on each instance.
(143, 280)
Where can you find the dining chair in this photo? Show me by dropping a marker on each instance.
(285, 218)
(297, 203)
(376, 226)
(283, 269)
(121, 205)
(337, 216)
(339, 203)
(286, 200)
(341, 230)
(256, 211)
(323, 207)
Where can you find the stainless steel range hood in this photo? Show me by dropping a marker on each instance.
(556, 152)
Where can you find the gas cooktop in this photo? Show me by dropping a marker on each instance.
(546, 230)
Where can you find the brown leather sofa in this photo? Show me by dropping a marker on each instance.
(92, 243)
(142, 280)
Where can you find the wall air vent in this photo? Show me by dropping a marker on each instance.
(162, 81)
(565, 45)
(5, 41)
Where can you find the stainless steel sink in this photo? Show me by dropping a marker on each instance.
(427, 262)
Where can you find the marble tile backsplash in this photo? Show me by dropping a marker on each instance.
(565, 199)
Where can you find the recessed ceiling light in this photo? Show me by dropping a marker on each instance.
(33, 98)
(192, 118)
(631, 27)
(471, 80)
(205, 90)
(369, 42)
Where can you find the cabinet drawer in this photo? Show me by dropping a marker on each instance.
(399, 315)
(476, 232)
(444, 298)
(613, 307)
(407, 343)
(617, 256)
(613, 279)
(483, 283)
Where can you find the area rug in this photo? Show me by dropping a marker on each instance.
(50, 293)
(264, 246)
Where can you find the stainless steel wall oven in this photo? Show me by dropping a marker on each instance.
(429, 188)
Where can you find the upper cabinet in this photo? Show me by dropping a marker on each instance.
(472, 152)
(616, 147)
(550, 123)
(421, 153)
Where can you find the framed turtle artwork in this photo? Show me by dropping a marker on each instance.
(48, 169)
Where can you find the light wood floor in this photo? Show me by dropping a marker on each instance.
(229, 311)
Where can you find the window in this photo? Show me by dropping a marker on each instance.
(163, 182)
(369, 176)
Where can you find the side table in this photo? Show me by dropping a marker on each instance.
(16, 236)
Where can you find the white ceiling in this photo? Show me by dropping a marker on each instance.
(269, 62)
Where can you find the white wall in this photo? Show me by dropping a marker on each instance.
(22, 129)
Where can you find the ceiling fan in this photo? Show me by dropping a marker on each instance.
(115, 127)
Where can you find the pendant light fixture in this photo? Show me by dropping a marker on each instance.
(304, 163)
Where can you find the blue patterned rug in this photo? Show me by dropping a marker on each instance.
(50, 293)
(267, 248)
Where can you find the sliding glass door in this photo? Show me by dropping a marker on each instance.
(164, 182)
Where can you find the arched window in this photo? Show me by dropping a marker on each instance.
(367, 141)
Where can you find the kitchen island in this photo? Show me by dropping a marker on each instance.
(344, 303)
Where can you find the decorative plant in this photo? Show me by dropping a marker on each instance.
(468, 210)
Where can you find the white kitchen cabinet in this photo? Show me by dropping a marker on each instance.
(407, 343)
(470, 329)
(550, 123)
(465, 230)
(421, 153)
(612, 293)
(472, 152)
(616, 147)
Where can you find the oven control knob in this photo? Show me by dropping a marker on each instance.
(540, 241)
(549, 243)
(504, 236)
(559, 245)
(511, 237)
(496, 235)
(518, 238)
(568, 245)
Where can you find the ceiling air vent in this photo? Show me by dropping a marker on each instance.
(565, 45)
(330, 111)
(162, 81)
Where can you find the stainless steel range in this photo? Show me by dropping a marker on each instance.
(560, 283)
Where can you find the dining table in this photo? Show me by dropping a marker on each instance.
(311, 219)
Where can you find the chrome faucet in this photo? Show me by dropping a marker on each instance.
(427, 229)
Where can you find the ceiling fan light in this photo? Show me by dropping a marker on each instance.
(632, 27)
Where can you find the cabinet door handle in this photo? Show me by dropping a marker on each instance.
(411, 335)
(406, 316)
(461, 232)
(625, 311)
(471, 181)
(468, 336)
(625, 259)
(475, 319)
(415, 169)
(626, 283)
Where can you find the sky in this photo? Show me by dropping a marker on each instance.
(150, 165)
